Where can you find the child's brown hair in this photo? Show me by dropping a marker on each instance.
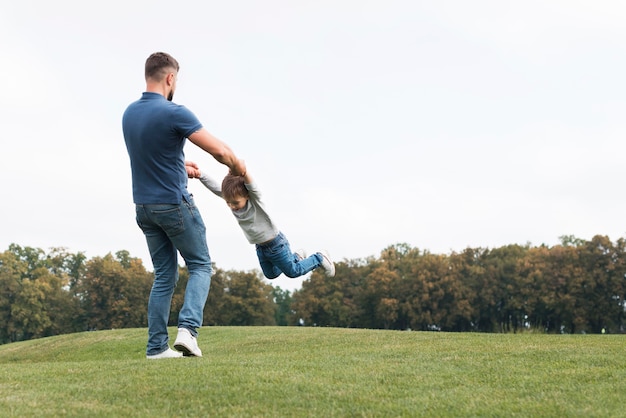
(233, 186)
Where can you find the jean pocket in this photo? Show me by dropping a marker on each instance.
(276, 250)
(170, 220)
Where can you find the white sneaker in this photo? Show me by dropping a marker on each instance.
(169, 353)
(327, 263)
(300, 254)
(187, 343)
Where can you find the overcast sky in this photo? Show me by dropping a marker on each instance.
(440, 124)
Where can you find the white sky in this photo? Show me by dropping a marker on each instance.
(441, 124)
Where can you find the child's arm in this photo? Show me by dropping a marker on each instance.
(210, 183)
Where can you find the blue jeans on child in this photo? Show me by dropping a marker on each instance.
(276, 257)
(170, 229)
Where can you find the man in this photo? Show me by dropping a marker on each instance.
(155, 131)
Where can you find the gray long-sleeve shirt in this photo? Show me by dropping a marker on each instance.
(253, 219)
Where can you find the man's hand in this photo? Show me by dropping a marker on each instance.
(238, 169)
(193, 171)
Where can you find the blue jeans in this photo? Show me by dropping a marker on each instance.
(170, 229)
(276, 257)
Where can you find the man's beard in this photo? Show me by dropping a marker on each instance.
(170, 96)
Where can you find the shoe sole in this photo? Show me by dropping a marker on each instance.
(163, 356)
(186, 351)
(329, 272)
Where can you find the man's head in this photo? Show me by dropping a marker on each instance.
(162, 68)
(234, 192)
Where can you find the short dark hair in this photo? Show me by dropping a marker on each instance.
(158, 64)
(233, 186)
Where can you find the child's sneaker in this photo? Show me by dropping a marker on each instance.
(327, 263)
(300, 254)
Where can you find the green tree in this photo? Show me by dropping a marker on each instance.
(63, 306)
(467, 271)
(325, 301)
(423, 296)
(282, 302)
(33, 258)
(12, 272)
(537, 307)
(35, 300)
(600, 294)
(215, 312)
(379, 301)
(247, 300)
(28, 311)
(380, 294)
(500, 311)
(112, 295)
(562, 274)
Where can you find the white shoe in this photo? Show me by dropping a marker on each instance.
(327, 263)
(300, 254)
(187, 343)
(169, 353)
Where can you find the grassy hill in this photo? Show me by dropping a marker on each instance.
(321, 372)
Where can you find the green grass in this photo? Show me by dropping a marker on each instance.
(321, 372)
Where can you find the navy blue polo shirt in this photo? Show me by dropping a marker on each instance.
(155, 131)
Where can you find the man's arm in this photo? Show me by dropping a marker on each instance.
(219, 150)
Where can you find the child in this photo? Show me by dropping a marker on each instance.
(244, 199)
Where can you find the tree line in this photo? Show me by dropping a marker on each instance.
(577, 286)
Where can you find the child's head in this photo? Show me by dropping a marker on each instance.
(234, 192)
